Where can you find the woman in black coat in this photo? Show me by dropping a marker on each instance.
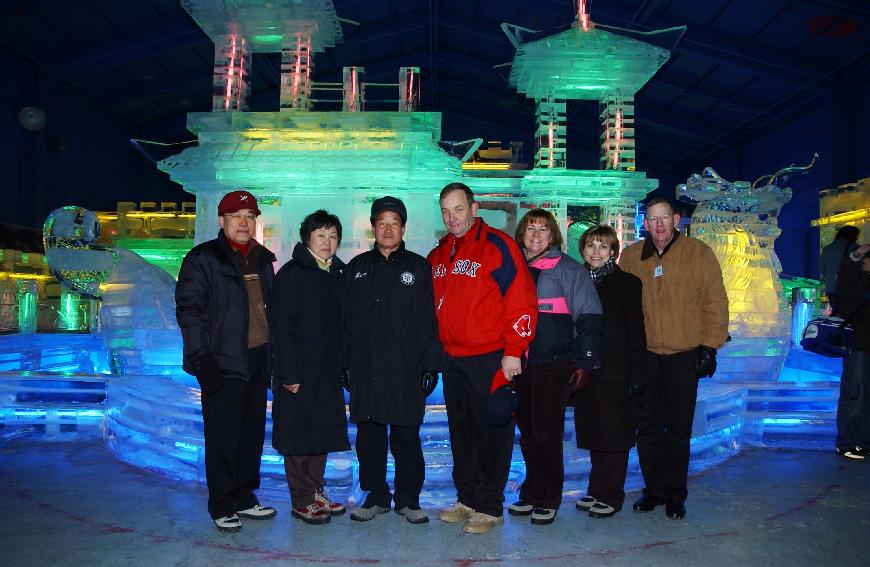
(308, 414)
(603, 410)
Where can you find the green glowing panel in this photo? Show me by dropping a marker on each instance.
(584, 65)
(265, 22)
(165, 253)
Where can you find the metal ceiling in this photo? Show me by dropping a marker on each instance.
(742, 68)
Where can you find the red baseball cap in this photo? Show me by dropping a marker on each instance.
(236, 201)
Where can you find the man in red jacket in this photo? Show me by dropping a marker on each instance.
(487, 309)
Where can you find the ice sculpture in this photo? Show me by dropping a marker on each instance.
(739, 222)
(137, 313)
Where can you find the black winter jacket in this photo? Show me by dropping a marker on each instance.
(603, 414)
(391, 336)
(853, 287)
(211, 304)
(305, 325)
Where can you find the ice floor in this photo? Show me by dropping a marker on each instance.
(74, 503)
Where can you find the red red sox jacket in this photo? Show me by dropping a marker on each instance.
(485, 297)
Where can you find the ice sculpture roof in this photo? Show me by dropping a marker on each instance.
(265, 22)
(579, 64)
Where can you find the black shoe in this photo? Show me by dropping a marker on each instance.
(675, 510)
(647, 503)
(852, 453)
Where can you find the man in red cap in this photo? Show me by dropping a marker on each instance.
(220, 300)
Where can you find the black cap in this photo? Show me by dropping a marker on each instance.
(500, 407)
(389, 204)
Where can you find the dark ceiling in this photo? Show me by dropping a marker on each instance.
(743, 66)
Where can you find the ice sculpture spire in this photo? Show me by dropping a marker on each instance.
(583, 62)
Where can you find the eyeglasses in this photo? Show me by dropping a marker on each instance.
(250, 217)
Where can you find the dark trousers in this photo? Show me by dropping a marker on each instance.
(234, 426)
(666, 409)
(371, 452)
(607, 477)
(481, 452)
(853, 409)
(304, 477)
(543, 394)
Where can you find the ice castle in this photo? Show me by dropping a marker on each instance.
(124, 381)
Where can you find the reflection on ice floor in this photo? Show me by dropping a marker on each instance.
(154, 422)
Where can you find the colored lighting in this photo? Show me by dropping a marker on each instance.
(840, 218)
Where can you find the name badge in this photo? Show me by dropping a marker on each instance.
(657, 273)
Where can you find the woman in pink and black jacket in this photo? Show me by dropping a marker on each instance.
(560, 359)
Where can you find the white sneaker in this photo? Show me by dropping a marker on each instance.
(543, 516)
(257, 512)
(228, 524)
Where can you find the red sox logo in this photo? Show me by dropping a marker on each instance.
(439, 271)
(466, 267)
(523, 326)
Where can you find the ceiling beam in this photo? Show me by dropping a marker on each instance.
(724, 50)
(149, 41)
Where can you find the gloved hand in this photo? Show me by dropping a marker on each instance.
(428, 382)
(579, 379)
(345, 378)
(634, 390)
(209, 375)
(705, 361)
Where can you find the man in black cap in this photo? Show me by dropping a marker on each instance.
(392, 354)
(220, 304)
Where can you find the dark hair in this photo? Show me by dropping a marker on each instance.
(539, 215)
(451, 187)
(601, 233)
(316, 220)
(848, 232)
(662, 201)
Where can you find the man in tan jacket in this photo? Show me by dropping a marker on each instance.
(685, 311)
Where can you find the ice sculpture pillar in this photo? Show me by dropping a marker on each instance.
(354, 95)
(409, 89)
(552, 126)
(297, 67)
(232, 64)
(617, 124)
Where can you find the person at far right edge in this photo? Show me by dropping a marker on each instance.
(685, 311)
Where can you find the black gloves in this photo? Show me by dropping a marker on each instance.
(345, 379)
(428, 382)
(705, 361)
(579, 379)
(209, 375)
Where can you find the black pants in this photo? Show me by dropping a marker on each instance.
(234, 426)
(607, 477)
(853, 408)
(371, 452)
(304, 477)
(481, 452)
(543, 393)
(666, 409)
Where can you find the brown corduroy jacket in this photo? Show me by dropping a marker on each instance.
(686, 305)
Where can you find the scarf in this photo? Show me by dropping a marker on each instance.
(603, 271)
(321, 263)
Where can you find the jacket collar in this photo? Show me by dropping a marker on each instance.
(260, 252)
(393, 255)
(649, 248)
(476, 232)
(303, 256)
